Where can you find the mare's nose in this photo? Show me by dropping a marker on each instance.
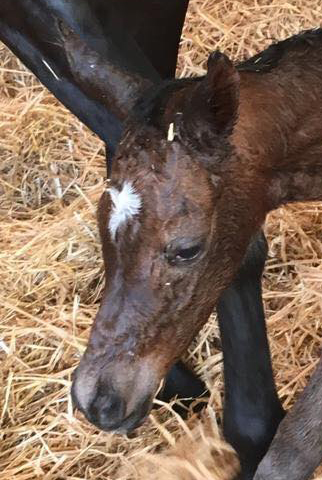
(107, 411)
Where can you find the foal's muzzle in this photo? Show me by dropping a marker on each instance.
(116, 397)
(108, 411)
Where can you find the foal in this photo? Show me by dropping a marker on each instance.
(200, 164)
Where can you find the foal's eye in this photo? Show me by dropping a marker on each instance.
(177, 254)
(188, 253)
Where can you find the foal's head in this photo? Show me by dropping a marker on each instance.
(174, 226)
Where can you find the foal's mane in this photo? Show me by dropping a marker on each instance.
(149, 109)
(270, 57)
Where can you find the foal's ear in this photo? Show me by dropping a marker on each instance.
(222, 90)
(212, 109)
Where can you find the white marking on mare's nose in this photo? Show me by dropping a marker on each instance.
(126, 204)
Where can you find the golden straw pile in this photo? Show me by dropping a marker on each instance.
(51, 275)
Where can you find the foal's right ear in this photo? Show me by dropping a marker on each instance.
(212, 109)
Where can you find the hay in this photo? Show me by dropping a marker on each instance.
(52, 171)
(199, 455)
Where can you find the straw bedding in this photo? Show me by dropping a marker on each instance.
(51, 274)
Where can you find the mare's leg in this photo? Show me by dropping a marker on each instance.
(296, 450)
(252, 409)
(156, 26)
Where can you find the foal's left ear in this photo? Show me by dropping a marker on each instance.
(212, 108)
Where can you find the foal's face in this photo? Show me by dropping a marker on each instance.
(165, 266)
(173, 234)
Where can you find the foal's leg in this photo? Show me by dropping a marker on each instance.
(252, 409)
(296, 450)
(183, 383)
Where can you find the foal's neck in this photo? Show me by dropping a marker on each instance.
(279, 130)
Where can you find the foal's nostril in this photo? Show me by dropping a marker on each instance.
(107, 411)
